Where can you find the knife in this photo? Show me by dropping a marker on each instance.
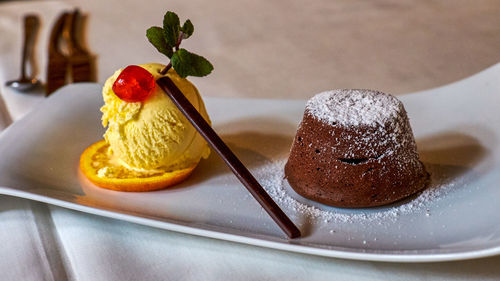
(81, 61)
(79, 64)
(57, 66)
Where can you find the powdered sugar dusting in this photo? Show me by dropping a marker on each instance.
(271, 176)
(353, 107)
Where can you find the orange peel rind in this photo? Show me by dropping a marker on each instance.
(95, 158)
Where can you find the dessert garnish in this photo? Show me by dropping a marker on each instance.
(240, 171)
(95, 165)
(167, 41)
(149, 143)
(134, 84)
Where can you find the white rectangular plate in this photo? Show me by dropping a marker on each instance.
(457, 128)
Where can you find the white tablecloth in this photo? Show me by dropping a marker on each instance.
(259, 49)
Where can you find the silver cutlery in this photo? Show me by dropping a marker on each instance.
(25, 82)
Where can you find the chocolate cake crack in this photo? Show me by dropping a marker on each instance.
(357, 161)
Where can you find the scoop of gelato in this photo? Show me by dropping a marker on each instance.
(153, 134)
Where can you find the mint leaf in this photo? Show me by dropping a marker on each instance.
(156, 37)
(189, 64)
(187, 29)
(171, 26)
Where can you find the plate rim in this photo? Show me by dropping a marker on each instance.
(402, 256)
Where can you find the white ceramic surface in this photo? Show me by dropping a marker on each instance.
(457, 131)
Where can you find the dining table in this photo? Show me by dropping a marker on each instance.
(280, 49)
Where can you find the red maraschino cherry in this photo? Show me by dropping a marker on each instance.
(134, 84)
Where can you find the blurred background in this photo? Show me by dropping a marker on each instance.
(286, 49)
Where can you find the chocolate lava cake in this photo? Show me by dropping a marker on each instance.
(355, 148)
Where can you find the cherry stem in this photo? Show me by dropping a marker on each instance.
(165, 70)
(177, 44)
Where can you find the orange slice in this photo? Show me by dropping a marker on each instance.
(96, 166)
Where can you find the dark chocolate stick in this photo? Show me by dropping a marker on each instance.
(228, 156)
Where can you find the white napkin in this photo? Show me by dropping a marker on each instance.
(28, 250)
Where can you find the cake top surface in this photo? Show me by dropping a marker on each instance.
(354, 107)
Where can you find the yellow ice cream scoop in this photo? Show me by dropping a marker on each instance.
(153, 134)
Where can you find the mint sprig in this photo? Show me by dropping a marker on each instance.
(167, 41)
